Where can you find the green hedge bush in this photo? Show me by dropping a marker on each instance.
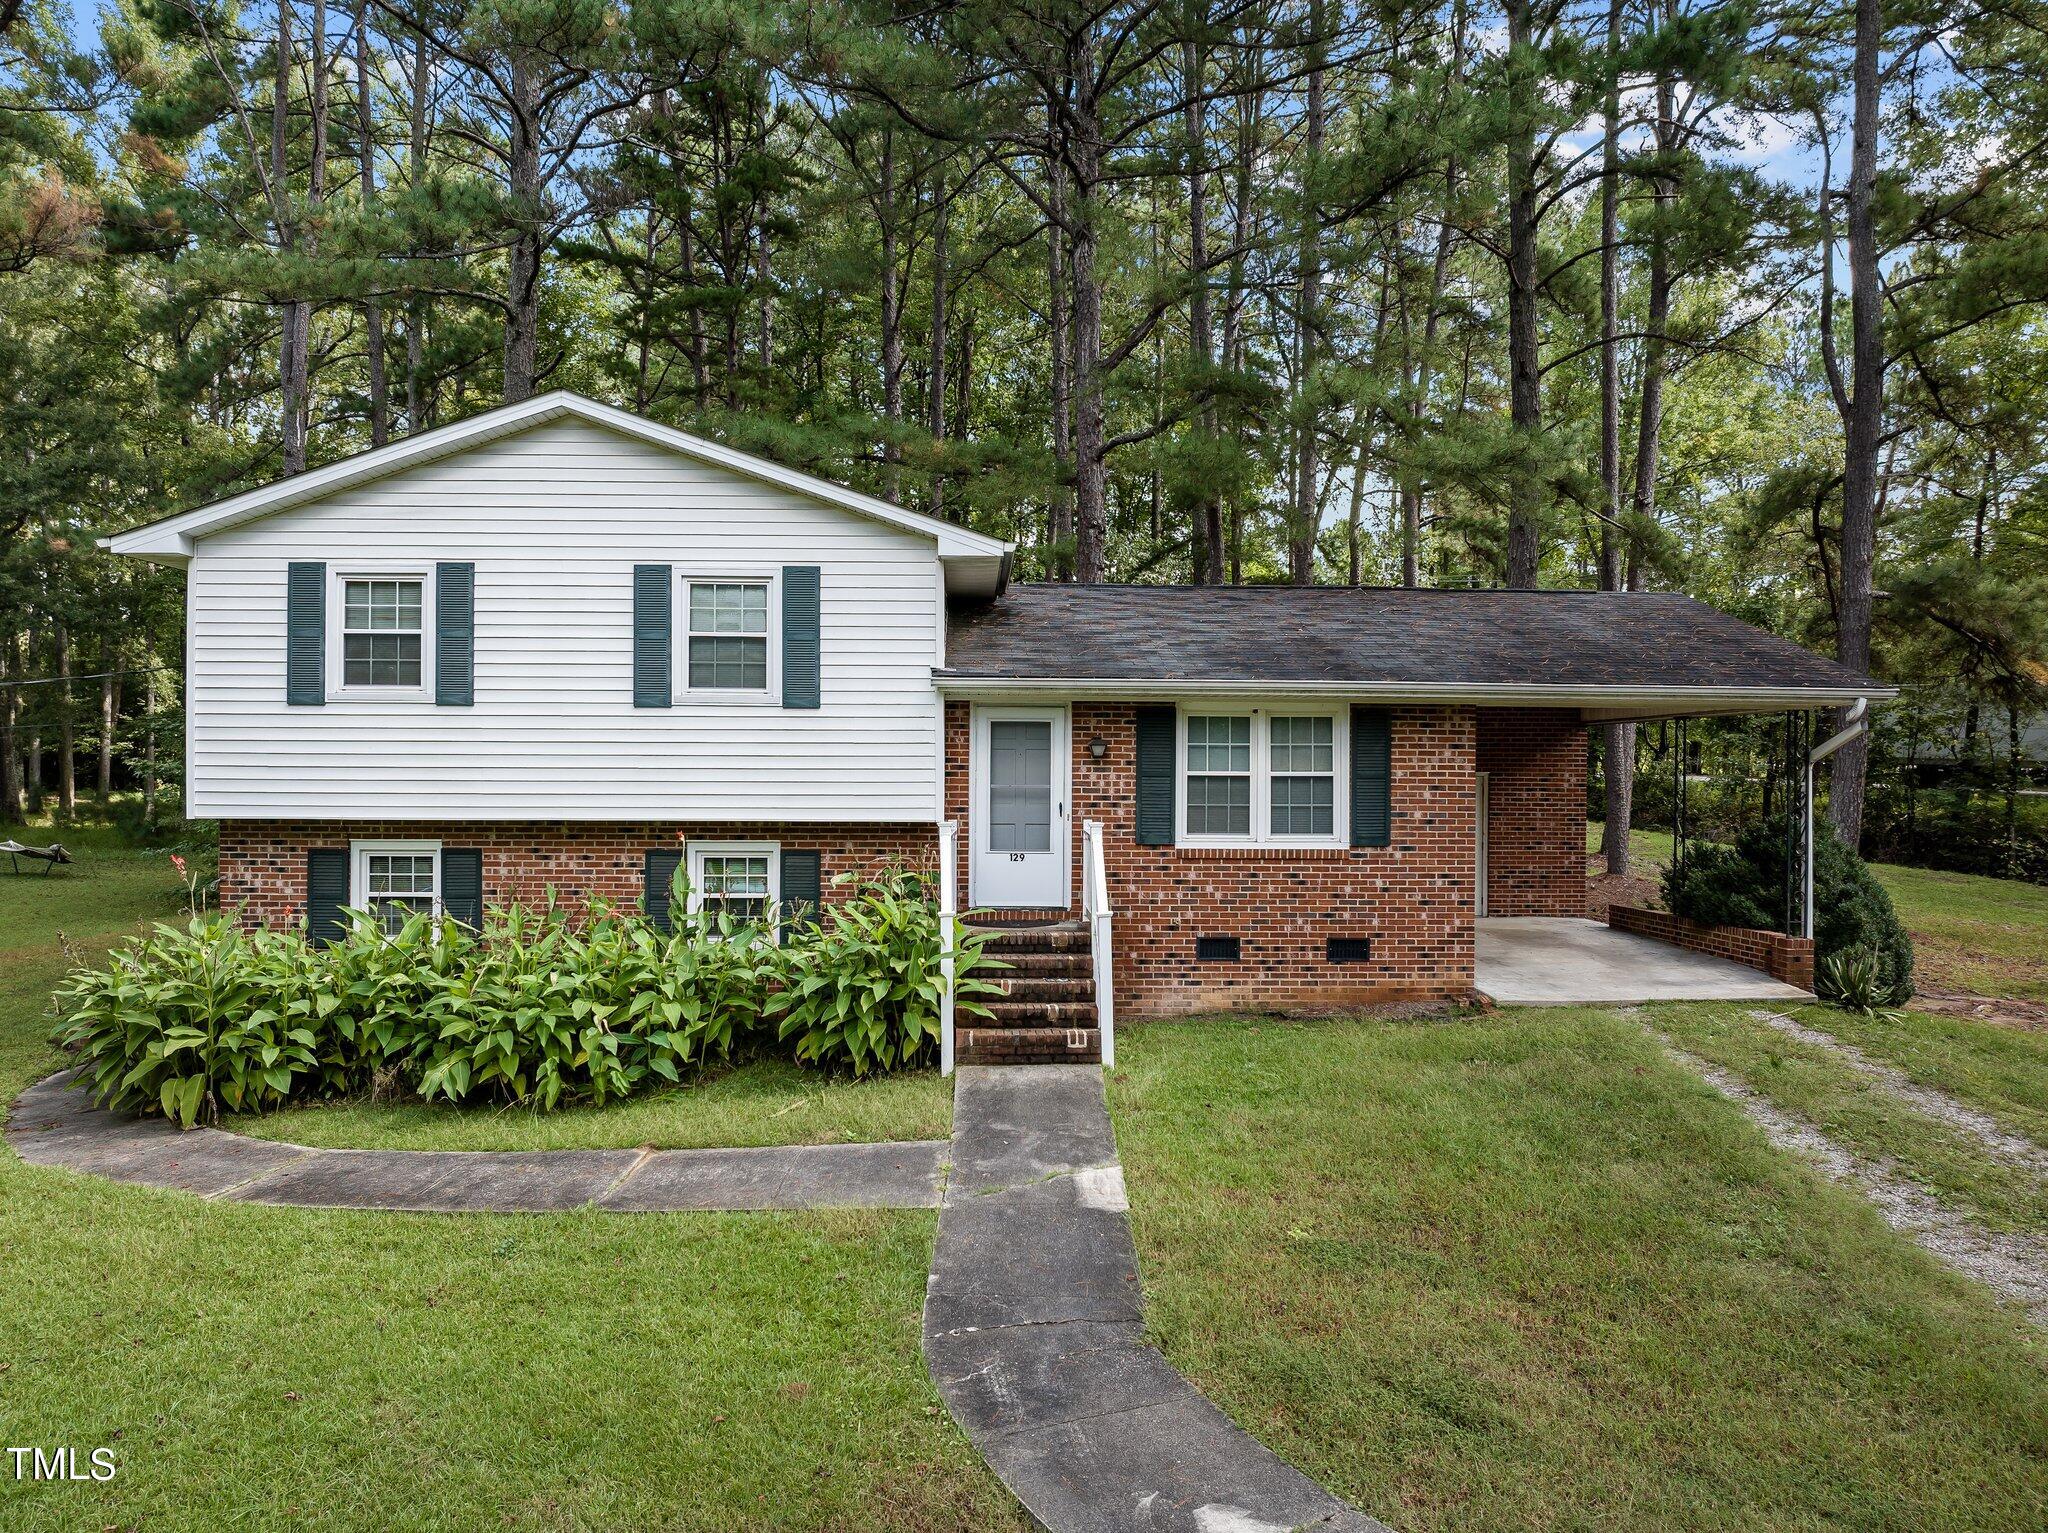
(1744, 885)
(538, 1007)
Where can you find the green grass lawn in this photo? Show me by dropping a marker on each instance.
(1862, 1114)
(1999, 1069)
(1987, 936)
(264, 1368)
(1521, 1270)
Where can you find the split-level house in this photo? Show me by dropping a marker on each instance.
(560, 648)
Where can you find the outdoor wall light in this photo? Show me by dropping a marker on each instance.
(1097, 748)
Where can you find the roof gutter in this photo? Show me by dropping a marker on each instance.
(1622, 699)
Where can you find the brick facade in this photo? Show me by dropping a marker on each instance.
(1535, 759)
(1414, 899)
(1788, 960)
(263, 862)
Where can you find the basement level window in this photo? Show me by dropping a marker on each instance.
(1217, 949)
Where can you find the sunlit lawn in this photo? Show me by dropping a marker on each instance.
(1521, 1271)
(262, 1367)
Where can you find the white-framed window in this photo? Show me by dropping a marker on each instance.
(1262, 777)
(395, 880)
(741, 878)
(731, 639)
(378, 623)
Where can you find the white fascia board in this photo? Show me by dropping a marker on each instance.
(1597, 702)
(173, 536)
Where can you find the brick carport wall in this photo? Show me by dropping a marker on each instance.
(1536, 820)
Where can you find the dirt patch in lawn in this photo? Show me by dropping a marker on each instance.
(1603, 890)
(1930, 995)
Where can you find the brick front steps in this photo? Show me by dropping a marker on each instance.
(1045, 1014)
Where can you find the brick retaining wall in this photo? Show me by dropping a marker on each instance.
(1786, 959)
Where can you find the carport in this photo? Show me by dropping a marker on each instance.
(1564, 961)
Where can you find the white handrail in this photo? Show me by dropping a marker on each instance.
(949, 900)
(1095, 907)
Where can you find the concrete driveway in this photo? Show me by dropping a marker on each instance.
(1558, 961)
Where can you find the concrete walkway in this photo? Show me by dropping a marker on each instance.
(53, 1125)
(1560, 961)
(1033, 1332)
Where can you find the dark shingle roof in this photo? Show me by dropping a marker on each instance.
(1339, 634)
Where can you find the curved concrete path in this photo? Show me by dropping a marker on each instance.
(54, 1125)
(1033, 1331)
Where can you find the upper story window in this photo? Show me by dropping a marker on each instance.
(729, 636)
(381, 634)
(1256, 778)
(380, 621)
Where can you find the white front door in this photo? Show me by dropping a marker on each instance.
(1019, 819)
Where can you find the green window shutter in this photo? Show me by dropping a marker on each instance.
(462, 886)
(305, 635)
(1372, 774)
(653, 666)
(800, 616)
(801, 894)
(454, 635)
(660, 875)
(326, 893)
(1155, 775)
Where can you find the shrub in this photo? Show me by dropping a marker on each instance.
(862, 990)
(540, 1007)
(1853, 979)
(181, 1022)
(1743, 885)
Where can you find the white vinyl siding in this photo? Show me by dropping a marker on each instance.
(555, 519)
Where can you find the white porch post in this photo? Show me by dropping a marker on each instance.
(949, 901)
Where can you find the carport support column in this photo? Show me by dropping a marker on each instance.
(1678, 786)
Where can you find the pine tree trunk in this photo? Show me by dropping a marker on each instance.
(935, 366)
(10, 719)
(1207, 531)
(1617, 755)
(103, 779)
(1865, 423)
(291, 361)
(892, 328)
(416, 310)
(1091, 478)
(67, 732)
(1060, 302)
(1301, 540)
(1525, 379)
(373, 309)
(149, 782)
(523, 256)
